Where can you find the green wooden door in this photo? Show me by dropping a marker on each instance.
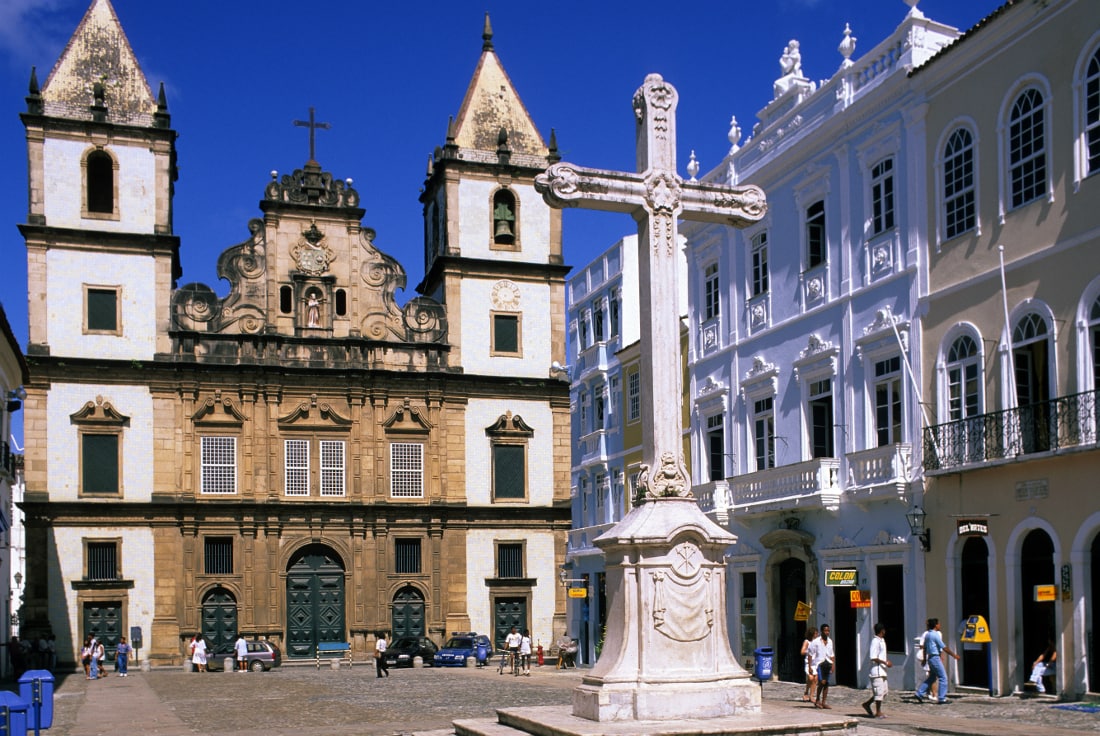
(314, 601)
(408, 613)
(103, 620)
(508, 612)
(219, 617)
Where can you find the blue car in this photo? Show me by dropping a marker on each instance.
(461, 646)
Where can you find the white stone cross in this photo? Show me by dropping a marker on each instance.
(656, 197)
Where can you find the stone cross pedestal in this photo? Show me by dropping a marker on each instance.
(666, 654)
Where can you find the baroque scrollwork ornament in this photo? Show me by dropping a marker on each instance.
(668, 480)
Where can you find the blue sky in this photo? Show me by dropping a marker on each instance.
(386, 76)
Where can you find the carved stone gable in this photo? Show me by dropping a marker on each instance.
(313, 415)
(509, 425)
(99, 413)
(218, 410)
(408, 418)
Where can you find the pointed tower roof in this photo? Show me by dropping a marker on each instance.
(491, 104)
(99, 53)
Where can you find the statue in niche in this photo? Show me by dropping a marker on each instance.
(313, 309)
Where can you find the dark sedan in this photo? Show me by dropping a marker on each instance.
(402, 652)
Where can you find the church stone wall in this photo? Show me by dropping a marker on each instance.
(64, 188)
(63, 449)
(475, 208)
(535, 309)
(540, 470)
(540, 562)
(68, 272)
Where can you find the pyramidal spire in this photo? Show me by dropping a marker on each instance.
(99, 54)
(491, 104)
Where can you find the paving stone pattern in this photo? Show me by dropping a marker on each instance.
(308, 702)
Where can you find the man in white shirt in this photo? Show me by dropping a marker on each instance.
(241, 648)
(879, 664)
(822, 659)
(380, 665)
(511, 643)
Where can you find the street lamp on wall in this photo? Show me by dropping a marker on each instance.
(915, 517)
(15, 398)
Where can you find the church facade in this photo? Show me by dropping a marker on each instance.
(304, 459)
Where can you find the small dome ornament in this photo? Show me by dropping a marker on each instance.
(734, 135)
(847, 46)
(693, 167)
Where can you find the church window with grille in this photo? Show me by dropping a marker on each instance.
(510, 560)
(99, 463)
(509, 472)
(219, 465)
(218, 556)
(406, 554)
(406, 470)
(102, 560)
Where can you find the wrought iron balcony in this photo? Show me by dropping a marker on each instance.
(1048, 426)
(593, 447)
(809, 484)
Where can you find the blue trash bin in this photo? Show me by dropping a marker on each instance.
(36, 690)
(16, 710)
(762, 669)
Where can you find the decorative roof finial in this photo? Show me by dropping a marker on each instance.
(33, 89)
(34, 99)
(913, 12)
(553, 156)
(847, 46)
(693, 167)
(734, 135)
(161, 117)
(487, 34)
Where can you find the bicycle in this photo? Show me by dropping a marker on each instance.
(508, 657)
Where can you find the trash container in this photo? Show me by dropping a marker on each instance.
(36, 689)
(762, 669)
(13, 714)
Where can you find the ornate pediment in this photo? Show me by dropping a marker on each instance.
(218, 410)
(313, 415)
(101, 413)
(509, 425)
(407, 418)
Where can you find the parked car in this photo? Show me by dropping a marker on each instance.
(460, 647)
(402, 652)
(262, 655)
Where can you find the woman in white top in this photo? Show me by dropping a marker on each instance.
(525, 652)
(198, 653)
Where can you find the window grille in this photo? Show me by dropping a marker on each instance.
(219, 465)
(332, 468)
(102, 561)
(218, 557)
(510, 560)
(406, 556)
(297, 467)
(406, 470)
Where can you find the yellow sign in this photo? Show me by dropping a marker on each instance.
(1045, 593)
(976, 631)
(845, 577)
(578, 592)
(802, 612)
(860, 598)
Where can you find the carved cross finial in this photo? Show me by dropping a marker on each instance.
(313, 125)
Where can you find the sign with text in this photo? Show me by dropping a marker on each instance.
(860, 598)
(973, 527)
(841, 578)
(1045, 593)
(802, 612)
(578, 592)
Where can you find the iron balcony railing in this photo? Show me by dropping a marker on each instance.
(1067, 421)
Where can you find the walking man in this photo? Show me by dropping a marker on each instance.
(933, 647)
(241, 648)
(380, 665)
(122, 657)
(823, 657)
(879, 664)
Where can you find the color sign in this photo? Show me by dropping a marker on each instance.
(578, 592)
(802, 612)
(973, 527)
(844, 577)
(860, 598)
(1045, 593)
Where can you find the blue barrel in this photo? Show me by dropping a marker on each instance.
(36, 689)
(762, 669)
(482, 653)
(13, 714)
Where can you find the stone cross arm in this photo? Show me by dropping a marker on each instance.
(567, 185)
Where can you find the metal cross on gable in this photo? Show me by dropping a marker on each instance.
(656, 197)
(313, 125)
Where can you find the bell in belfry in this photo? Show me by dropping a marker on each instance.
(504, 229)
(503, 218)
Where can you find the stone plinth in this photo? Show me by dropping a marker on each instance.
(666, 654)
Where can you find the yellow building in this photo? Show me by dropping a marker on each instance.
(304, 460)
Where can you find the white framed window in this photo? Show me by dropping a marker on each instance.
(406, 470)
(712, 295)
(584, 402)
(597, 324)
(633, 396)
(959, 186)
(816, 244)
(219, 465)
(1027, 158)
(716, 447)
(296, 467)
(963, 375)
(820, 413)
(1091, 110)
(882, 196)
(332, 468)
(613, 315)
(887, 387)
(1094, 338)
(759, 256)
(763, 432)
(613, 398)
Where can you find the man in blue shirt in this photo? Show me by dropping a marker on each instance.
(933, 648)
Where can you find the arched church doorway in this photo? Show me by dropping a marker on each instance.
(315, 600)
(1036, 568)
(408, 613)
(219, 617)
(974, 580)
(790, 633)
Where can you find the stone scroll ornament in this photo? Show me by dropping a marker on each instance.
(678, 594)
(668, 480)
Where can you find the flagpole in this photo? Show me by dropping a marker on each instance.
(1007, 345)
